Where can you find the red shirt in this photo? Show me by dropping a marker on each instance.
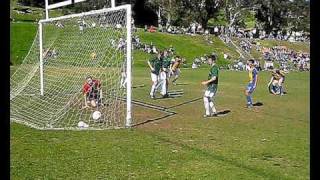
(87, 88)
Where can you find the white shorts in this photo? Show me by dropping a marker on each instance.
(163, 75)
(209, 94)
(154, 77)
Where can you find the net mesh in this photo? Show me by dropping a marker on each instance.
(73, 48)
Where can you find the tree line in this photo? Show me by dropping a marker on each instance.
(270, 15)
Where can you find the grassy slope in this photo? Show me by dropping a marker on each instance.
(272, 143)
(297, 46)
(35, 16)
(188, 46)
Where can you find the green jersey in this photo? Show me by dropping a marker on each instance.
(214, 71)
(156, 65)
(166, 62)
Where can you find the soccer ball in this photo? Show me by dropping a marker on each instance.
(82, 124)
(96, 115)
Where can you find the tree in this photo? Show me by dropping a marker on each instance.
(272, 14)
(165, 9)
(236, 9)
(201, 11)
(299, 16)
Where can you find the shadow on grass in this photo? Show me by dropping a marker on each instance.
(223, 113)
(257, 104)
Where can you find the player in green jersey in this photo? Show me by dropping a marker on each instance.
(212, 85)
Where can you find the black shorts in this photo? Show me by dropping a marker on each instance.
(93, 96)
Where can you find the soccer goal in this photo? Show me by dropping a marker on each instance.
(47, 89)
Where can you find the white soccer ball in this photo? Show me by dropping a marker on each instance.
(96, 115)
(82, 124)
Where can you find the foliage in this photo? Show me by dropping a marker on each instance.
(299, 16)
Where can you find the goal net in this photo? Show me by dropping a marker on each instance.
(49, 91)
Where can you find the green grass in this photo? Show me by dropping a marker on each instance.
(21, 37)
(268, 142)
(189, 47)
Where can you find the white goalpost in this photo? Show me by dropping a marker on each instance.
(47, 89)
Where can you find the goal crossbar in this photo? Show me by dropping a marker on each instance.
(64, 3)
(127, 6)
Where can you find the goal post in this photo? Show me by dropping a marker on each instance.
(68, 49)
(129, 64)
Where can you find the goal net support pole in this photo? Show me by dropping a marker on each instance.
(129, 47)
(41, 60)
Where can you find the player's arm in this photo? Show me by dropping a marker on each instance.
(98, 84)
(85, 94)
(209, 81)
(152, 69)
(270, 81)
(255, 83)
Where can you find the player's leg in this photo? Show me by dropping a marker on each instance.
(176, 76)
(164, 84)
(86, 100)
(211, 102)
(248, 93)
(275, 87)
(206, 101)
(280, 86)
(154, 79)
(167, 82)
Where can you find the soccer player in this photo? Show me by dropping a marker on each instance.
(276, 82)
(92, 92)
(212, 85)
(123, 81)
(164, 74)
(253, 78)
(175, 69)
(155, 65)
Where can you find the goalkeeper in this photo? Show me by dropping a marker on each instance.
(92, 92)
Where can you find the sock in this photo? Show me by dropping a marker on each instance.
(249, 100)
(206, 105)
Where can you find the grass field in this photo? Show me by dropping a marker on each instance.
(268, 142)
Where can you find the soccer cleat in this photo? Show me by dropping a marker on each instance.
(249, 106)
(152, 97)
(165, 96)
(206, 115)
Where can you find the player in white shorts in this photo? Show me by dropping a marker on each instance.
(155, 66)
